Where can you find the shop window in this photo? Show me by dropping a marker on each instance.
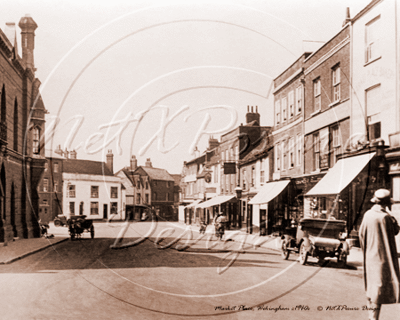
(94, 191)
(114, 207)
(317, 95)
(336, 83)
(114, 192)
(94, 208)
(72, 208)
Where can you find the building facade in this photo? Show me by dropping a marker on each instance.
(22, 118)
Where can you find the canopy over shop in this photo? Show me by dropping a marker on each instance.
(190, 211)
(344, 193)
(271, 208)
(220, 204)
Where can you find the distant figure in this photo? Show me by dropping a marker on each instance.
(381, 264)
(219, 223)
(203, 227)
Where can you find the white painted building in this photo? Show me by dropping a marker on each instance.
(90, 188)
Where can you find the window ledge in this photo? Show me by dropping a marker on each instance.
(315, 113)
(316, 171)
(371, 61)
(334, 103)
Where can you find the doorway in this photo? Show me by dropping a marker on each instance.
(105, 211)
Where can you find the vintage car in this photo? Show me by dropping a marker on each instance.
(315, 237)
(78, 224)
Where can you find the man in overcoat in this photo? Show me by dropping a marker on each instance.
(381, 264)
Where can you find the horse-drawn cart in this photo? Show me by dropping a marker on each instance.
(79, 224)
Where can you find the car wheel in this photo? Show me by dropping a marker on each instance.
(285, 252)
(57, 223)
(303, 254)
(72, 236)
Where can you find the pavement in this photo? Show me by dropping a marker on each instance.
(234, 241)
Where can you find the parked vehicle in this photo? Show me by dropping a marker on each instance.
(60, 221)
(78, 224)
(318, 238)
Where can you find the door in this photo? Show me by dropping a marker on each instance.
(263, 222)
(105, 211)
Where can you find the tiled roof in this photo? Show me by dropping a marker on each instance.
(157, 174)
(86, 167)
(260, 150)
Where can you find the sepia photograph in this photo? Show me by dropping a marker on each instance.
(198, 159)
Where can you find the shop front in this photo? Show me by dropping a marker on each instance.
(221, 204)
(190, 212)
(344, 193)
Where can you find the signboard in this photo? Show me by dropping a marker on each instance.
(229, 168)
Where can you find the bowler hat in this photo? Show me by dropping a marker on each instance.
(381, 195)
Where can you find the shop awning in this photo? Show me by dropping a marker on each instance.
(340, 176)
(193, 204)
(269, 191)
(215, 201)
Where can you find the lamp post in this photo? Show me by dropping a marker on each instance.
(238, 191)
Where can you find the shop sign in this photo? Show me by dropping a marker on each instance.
(394, 167)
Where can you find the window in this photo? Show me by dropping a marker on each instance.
(46, 166)
(94, 208)
(336, 143)
(114, 192)
(284, 109)
(223, 156)
(291, 104)
(336, 83)
(227, 183)
(72, 208)
(262, 178)
(244, 179)
(147, 185)
(45, 185)
(317, 95)
(94, 191)
(291, 152)
(299, 99)
(147, 198)
(277, 157)
(372, 40)
(233, 182)
(56, 167)
(284, 151)
(253, 176)
(316, 151)
(36, 137)
(114, 207)
(16, 125)
(278, 112)
(138, 198)
(45, 202)
(373, 103)
(167, 196)
(223, 183)
(216, 173)
(55, 187)
(298, 152)
(71, 191)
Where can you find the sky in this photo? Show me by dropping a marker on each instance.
(156, 79)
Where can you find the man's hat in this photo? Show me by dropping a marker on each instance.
(381, 195)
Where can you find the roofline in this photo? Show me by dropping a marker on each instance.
(365, 10)
(304, 53)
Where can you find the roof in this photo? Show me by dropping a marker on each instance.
(365, 10)
(259, 151)
(86, 167)
(177, 178)
(156, 173)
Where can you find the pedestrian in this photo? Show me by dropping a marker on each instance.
(381, 264)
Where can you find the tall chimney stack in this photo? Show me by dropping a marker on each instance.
(148, 163)
(110, 161)
(28, 27)
(347, 19)
(133, 163)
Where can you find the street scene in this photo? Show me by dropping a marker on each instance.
(200, 160)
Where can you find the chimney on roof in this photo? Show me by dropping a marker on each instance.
(66, 153)
(11, 33)
(59, 151)
(110, 161)
(28, 27)
(212, 143)
(252, 116)
(72, 154)
(133, 163)
(347, 19)
(148, 163)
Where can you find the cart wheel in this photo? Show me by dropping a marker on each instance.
(285, 252)
(92, 232)
(72, 236)
(57, 223)
(342, 259)
(303, 254)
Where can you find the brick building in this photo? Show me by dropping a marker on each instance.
(22, 157)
